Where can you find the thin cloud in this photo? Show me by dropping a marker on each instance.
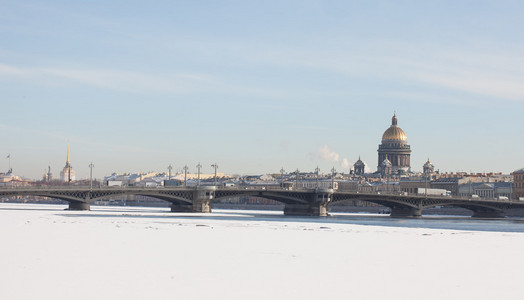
(489, 73)
(127, 81)
(61, 137)
(132, 81)
(494, 85)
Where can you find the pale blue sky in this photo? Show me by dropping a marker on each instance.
(259, 85)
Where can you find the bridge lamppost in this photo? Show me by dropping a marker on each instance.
(199, 166)
(427, 177)
(216, 167)
(387, 183)
(69, 175)
(317, 170)
(296, 179)
(185, 175)
(333, 177)
(91, 166)
(282, 177)
(426, 185)
(169, 168)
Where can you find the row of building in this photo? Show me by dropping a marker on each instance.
(488, 185)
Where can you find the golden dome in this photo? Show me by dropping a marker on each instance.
(394, 133)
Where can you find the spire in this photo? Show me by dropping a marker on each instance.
(67, 161)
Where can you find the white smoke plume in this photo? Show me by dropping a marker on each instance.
(345, 163)
(325, 153)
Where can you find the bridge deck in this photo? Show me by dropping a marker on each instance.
(301, 199)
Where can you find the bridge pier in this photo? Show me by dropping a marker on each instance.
(305, 210)
(202, 205)
(317, 206)
(79, 206)
(201, 202)
(405, 211)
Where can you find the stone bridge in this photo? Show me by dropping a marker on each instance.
(296, 202)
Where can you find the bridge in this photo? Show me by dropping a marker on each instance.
(310, 202)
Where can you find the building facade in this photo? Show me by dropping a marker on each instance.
(448, 184)
(395, 148)
(518, 184)
(485, 189)
(412, 185)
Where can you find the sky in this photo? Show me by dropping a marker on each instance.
(256, 86)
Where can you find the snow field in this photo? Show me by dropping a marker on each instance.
(145, 253)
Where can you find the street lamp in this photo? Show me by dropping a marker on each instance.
(282, 177)
(91, 166)
(169, 168)
(316, 171)
(216, 167)
(69, 175)
(333, 177)
(296, 179)
(185, 175)
(199, 166)
(387, 185)
(426, 185)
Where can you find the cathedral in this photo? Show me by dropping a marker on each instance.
(67, 174)
(394, 152)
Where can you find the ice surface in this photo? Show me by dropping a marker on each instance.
(150, 253)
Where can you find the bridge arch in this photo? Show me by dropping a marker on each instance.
(479, 210)
(400, 207)
(72, 198)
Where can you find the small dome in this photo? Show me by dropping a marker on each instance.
(394, 133)
(428, 164)
(359, 163)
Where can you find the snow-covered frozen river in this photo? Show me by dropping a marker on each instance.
(150, 253)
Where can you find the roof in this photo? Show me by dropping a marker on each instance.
(519, 171)
(446, 180)
(487, 185)
(359, 163)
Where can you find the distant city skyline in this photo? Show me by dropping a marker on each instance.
(256, 87)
